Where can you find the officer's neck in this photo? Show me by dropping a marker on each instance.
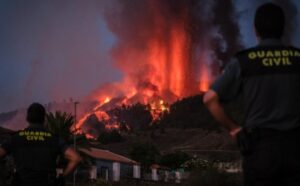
(267, 41)
(36, 125)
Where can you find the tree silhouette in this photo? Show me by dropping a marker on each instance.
(145, 153)
(174, 160)
(61, 124)
(136, 117)
(189, 113)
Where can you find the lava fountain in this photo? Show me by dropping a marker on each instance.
(167, 50)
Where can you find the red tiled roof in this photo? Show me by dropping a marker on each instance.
(107, 155)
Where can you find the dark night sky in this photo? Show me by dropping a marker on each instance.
(57, 49)
(52, 50)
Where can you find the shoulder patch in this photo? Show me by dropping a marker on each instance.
(264, 60)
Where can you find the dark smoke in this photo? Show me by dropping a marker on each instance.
(212, 31)
(225, 14)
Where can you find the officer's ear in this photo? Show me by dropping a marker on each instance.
(2, 152)
(258, 37)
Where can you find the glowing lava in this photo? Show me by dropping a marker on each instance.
(158, 108)
(159, 64)
(100, 114)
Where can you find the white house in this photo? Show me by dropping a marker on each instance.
(112, 166)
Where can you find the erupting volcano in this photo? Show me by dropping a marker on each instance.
(167, 50)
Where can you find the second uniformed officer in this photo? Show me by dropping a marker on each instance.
(35, 151)
(268, 76)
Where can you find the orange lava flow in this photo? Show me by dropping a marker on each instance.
(112, 126)
(99, 114)
(88, 136)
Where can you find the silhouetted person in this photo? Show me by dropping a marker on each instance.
(268, 77)
(35, 151)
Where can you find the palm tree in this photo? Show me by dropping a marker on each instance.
(61, 124)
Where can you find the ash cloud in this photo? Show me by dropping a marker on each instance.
(212, 35)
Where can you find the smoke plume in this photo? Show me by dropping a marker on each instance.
(172, 46)
(170, 49)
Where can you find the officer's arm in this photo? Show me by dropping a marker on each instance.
(211, 100)
(73, 160)
(2, 152)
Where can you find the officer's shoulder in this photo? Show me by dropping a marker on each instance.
(245, 51)
(17, 132)
(294, 48)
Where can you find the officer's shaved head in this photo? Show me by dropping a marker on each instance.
(36, 114)
(269, 21)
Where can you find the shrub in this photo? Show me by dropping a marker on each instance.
(108, 137)
(174, 160)
(98, 182)
(145, 153)
(197, 164)
(214, 177)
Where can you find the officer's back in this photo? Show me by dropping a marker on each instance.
(270, 75)
(35, 151)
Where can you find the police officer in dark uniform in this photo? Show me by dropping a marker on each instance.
(268, 77)
(35, 151)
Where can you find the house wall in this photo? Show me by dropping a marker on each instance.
(116, 171)
(136, 171)
(101, 166)
(126, 170)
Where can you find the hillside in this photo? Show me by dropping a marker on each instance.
(190, 128)
(5, 116)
